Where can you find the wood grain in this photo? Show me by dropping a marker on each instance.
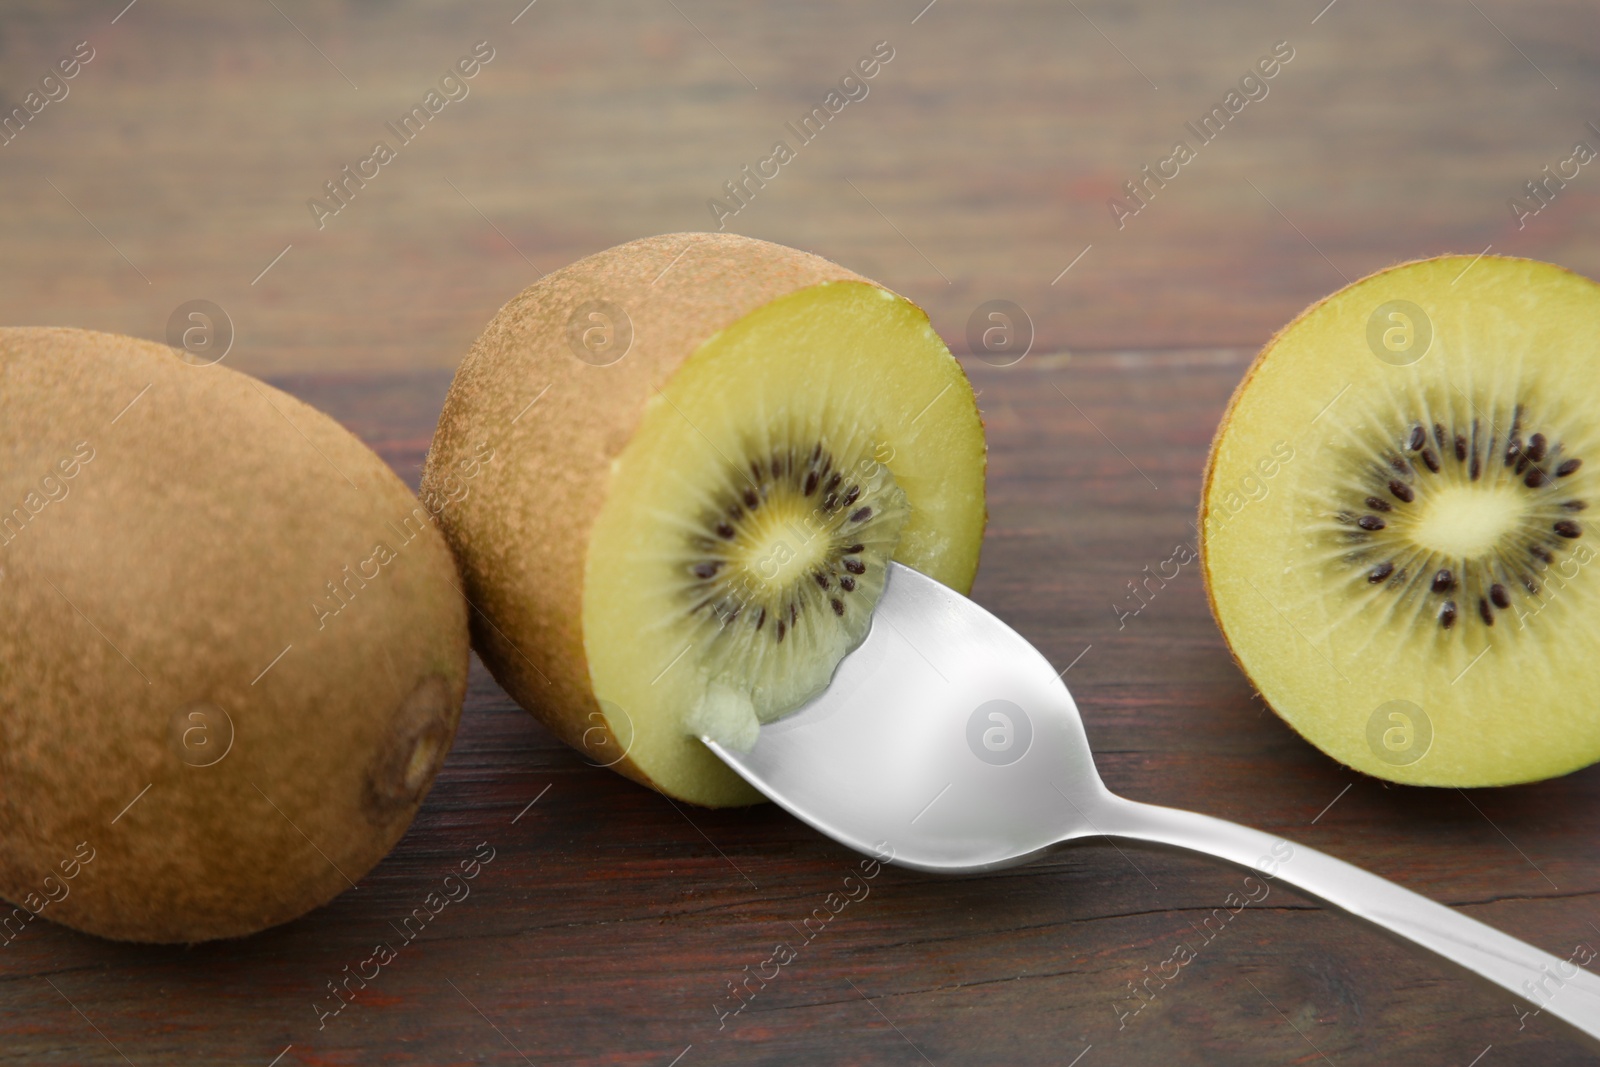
(979, 165)
(610, 922)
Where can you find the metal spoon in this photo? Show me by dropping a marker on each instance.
(947, 743)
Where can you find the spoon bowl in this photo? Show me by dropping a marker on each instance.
(944, 736)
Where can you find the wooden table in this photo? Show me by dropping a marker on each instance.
(610, 923)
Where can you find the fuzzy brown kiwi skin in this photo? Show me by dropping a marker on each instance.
(196, 538)
(528, 617)
(1228, 415)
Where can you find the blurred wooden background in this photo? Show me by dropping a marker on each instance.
(990, 145)
(978, 167)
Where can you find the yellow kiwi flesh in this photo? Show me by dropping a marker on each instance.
(234, 652)
(812, 366)
(1395, 529)
(686, 540)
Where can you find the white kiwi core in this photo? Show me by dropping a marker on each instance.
(1467, 521)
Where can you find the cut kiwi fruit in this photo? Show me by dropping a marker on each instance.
(1395, 529)
(713, 446)
(233, 652)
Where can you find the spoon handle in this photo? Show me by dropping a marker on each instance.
(1541, 981)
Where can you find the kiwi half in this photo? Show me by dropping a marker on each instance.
(713, 447)
(233, 648)
(1394, 536)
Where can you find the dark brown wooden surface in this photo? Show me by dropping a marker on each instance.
(978, 166)
(610, 922)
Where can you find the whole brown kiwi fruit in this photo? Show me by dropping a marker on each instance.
(233, 652)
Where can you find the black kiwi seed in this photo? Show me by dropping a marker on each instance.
(1536, 447)
(751, 499)
(863, 514)
(725, 531)
(1568, 467)
(1377, 503)
(1461, 447)
(1542, 553)
(1477, 467)
(782, 629)
(1381, 571)
(853, 549)
(1431, 460)
(1399, 464)
(794, 612)
(1444, 581)
(1530, 585)
(1447, 614)
(838, 606)
(848, 584)
(1419, 437)
(761, 619)
(708, 568)
(1498, 594)
(852, 495)
(1366, 522)
(1574, 505)
(1513, 450)
(1485, 612)
(822, 579)
(833, 482)
(811, 483)
(1535, 478)
(1401, 491)
(1567, 528)
(1438, 434)
(855, 566)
